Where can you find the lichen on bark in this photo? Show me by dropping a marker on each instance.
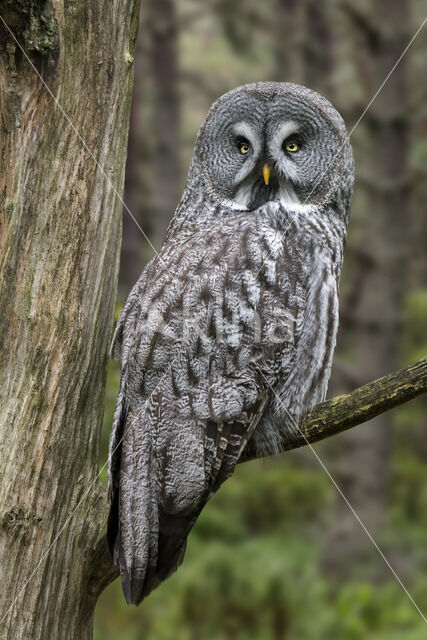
(33, 23)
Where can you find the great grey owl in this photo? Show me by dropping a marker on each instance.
(227, 337)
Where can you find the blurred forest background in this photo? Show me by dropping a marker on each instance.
(277, 554)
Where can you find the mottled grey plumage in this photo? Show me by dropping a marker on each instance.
(240, 301)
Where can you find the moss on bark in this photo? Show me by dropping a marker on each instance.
(33, 23)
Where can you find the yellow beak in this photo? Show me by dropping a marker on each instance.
(266, 173)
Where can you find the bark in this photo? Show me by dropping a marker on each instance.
(135, 192)
(60, 242)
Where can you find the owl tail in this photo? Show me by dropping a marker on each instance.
(170, 464)
(134, 518)
(160, 492)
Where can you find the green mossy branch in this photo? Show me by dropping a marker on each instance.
(346, 411)
(362, 404)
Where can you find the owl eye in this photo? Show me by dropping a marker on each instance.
(244, 146)
(292, 146)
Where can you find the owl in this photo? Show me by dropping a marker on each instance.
(227, 337)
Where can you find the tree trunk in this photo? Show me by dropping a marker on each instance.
(376, 319)
(288, 42)
(161, 25)
(135, 191)
(318, 49)
(60, 243)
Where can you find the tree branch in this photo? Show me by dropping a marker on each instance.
(346, 411)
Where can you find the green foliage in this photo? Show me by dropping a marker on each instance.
(286, 498)
(378, 612)
(237, 584)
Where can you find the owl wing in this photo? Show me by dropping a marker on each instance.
(190, 398)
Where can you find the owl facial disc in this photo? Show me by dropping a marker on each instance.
(274, 142)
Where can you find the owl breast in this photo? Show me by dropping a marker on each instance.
(250, 294)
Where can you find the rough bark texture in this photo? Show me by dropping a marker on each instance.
(59, 248)
(135, 190)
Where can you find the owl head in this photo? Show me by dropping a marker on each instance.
(274, 141)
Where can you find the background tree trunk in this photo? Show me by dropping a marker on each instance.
(60, 243)
(373, 314)
(318, 49)
(162, 33)
(288, 42)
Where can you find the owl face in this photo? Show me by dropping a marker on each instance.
(274, 142)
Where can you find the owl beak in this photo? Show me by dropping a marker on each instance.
(266, 173)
